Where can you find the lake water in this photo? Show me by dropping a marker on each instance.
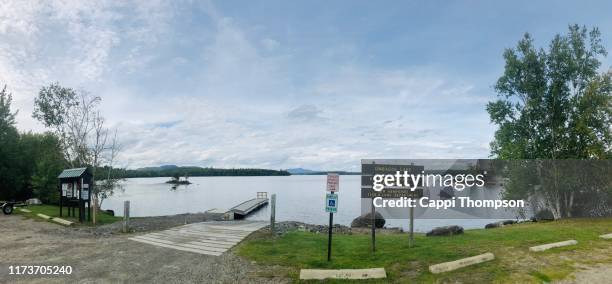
(299, 198)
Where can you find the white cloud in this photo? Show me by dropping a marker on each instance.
(236, 98)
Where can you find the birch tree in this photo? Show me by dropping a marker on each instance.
(75, 118)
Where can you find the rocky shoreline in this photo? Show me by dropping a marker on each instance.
(146, 224)
(156, 223)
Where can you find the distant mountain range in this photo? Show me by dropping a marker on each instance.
(301, 171)
(162, 167)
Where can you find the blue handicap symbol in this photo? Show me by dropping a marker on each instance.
(332, 203)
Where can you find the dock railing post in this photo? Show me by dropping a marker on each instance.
(273, 214)
(126, 216)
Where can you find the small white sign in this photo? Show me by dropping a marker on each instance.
(85, 194)
(333, 182)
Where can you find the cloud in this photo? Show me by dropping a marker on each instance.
(269, 44)
(200, 87)
(305, 113)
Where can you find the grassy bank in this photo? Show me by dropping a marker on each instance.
(53, 211)
(513, 263)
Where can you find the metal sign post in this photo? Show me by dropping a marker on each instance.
(329, 240)
(331, 206)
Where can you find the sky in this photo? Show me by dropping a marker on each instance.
(280, 84)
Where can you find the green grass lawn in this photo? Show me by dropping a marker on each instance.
(513, 263)
(53, 211)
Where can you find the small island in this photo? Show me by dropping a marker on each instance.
(176, 180)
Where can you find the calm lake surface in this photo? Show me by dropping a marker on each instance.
(299, 198)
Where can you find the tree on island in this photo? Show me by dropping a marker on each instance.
(176, 179)
(554, 104)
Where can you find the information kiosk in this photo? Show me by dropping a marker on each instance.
(75, 187)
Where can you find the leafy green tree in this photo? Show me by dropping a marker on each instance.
(553, 103)
(29, 162)
(11, 177)
(43, 154)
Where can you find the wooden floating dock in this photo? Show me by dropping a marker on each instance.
(245, 208)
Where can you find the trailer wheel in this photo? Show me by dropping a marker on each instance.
(7, 209)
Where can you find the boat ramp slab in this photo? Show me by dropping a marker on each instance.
(210, 238)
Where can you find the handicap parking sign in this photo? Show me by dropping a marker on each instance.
(331, 203)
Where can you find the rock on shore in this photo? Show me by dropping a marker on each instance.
(366, 221)
(445, 231)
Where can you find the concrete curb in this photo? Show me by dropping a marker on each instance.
(553, 245)
(321, 274)
(25, 210)
(606, 236)
(452, 265)
(62, 221)
(43, 216)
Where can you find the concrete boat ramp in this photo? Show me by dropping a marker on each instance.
(210, 238)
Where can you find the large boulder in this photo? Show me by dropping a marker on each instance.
(366, 221)
(494, 225)
(445, 231)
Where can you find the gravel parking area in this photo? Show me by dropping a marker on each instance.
(99, 257)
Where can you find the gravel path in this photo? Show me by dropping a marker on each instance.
(601, 273)
(96, 256)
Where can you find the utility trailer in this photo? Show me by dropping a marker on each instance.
(8, 206)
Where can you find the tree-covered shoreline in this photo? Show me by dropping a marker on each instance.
(192, 171)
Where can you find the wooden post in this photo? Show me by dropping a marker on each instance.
(81, 203)
(411, 240)
(95, 209)
(126, 216)
(60, 197)
(273, 214)
(373, 226)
